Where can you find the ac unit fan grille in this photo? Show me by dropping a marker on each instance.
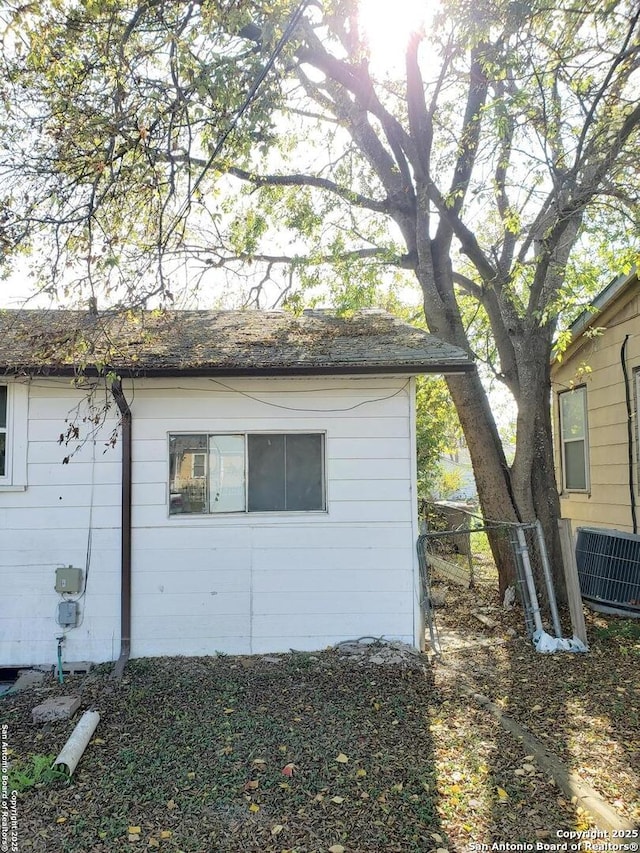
(609, 568)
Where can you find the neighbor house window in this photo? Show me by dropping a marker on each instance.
(574, 439)
(246, 472)
(199, 465)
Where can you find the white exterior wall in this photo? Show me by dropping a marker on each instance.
(237, 583)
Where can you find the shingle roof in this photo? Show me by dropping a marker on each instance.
(61, 342)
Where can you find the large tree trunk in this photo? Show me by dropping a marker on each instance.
(494, 479)
(532, 475)
(527, 491)
(489, 467)
(546, 500)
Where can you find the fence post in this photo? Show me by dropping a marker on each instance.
(521, 586)
(528, 574)
(548, 580)
(472, 580)
(572, 581)
(425, 590)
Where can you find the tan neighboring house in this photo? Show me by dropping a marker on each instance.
(595, 391)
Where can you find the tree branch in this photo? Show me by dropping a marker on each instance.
(469, 286)
(405, 261)
(420, 121)
(503, 322)
(450, 222)
(566, 222)
(621, 57)
(300, 180)
(471, 127)
(500, 177)
(355, 118)
(356, 80)
(468, 242)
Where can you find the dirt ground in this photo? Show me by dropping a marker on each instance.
(583, 707)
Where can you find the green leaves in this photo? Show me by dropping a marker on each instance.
(36, 770)
(125, 104)
(438, 432)
(115, 105)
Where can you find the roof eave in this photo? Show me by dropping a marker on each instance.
(607, 296)
(445, 367)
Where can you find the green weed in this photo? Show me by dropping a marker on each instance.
(37, 770)
(620, 629)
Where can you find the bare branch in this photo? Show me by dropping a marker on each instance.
(302, 180)
(420, 120)
(469, 286)
(622, 56)
(405, 261)
(356, 79)
(471, 126)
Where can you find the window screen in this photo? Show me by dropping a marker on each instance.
(285, 472)
(304, 472)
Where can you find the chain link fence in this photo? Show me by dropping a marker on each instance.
(454, 548)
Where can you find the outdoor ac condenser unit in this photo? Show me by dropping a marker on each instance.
(609, 570)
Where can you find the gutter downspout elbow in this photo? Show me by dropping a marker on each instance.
(125, 559)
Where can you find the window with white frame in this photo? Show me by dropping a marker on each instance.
(574, 439)
(246, 472)
(13, 435)
(199, 469)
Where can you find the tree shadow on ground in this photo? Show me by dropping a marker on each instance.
(583, 708)
(292, 752)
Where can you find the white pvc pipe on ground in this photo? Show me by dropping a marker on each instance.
(73, 749)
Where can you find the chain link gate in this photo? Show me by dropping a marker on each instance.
(448, 556)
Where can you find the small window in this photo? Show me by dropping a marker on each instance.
(256, 472)
(14, 397)
(199, 465)
(574, 440)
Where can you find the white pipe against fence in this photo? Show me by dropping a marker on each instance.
(72, 751)
(528, 574)
(548, 580)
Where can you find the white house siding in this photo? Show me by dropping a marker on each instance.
(243, 583)
(47, 525)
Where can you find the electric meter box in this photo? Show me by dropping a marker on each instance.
(68, 579)
(68, 614)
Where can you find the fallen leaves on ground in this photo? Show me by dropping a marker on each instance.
(583, 707)
(192, 752)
